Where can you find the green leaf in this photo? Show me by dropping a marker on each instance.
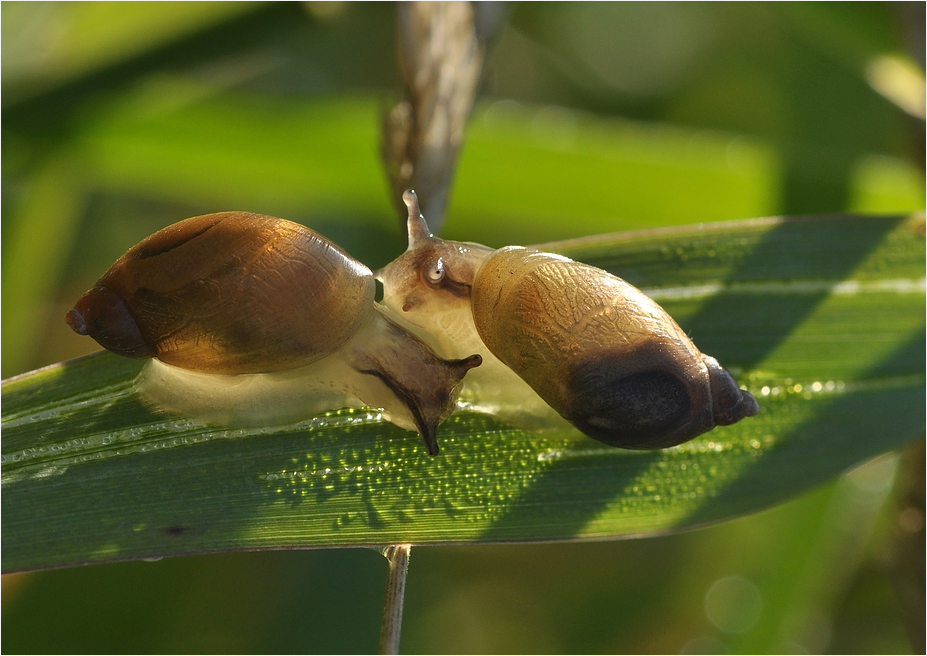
(821, 318)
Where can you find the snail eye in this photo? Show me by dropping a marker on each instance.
(434, 272)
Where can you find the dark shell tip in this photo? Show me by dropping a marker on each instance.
(76, 321)
(751, 407)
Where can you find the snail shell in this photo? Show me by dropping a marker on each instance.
(596, 349)
(229, 293)
(250, 314)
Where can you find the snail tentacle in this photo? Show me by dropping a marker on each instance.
(417, 226)
(424, 384)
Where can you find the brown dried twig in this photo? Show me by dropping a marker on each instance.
(441, 53)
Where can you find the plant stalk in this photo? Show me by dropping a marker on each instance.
(398, 557)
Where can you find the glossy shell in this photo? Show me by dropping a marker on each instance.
(604, 355)
(228, 293)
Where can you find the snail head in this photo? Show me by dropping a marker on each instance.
(433, 275)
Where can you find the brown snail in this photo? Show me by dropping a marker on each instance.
(596, 349)
(250, 318)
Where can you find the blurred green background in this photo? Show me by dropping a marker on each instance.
(121, 118)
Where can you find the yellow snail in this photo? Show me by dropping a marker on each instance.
(596, 349)
(253, 319)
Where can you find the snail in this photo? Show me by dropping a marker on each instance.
(592, 347)
(252, 319)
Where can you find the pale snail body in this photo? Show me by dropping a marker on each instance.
(340, 379)
(596, 349)
(256, 320)
(493, 387)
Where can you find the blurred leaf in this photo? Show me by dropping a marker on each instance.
(577, 172)
(884, 185)
(36, 256)
(823, 319)
(175, 139)
(48, 44)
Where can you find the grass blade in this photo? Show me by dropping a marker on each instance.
(822, 319)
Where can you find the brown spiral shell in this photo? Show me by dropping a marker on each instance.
(230, 293)
(599, 351)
